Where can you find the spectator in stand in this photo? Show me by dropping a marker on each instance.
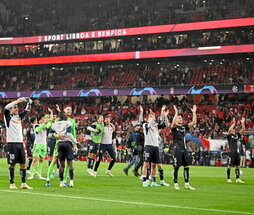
(248, 158)
(242, 156)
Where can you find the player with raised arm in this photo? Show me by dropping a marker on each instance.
(181, 155)
(234, 151)
(107, 146)
(151, 151)
(15, 149)
(68, 112)
(40, 143)
(96, 130)
(66, 144)
(51, 141)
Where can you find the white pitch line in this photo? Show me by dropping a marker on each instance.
(128, 202)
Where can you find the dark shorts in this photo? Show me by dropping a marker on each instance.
(107, 148)
(50, 147)
(233, 159)
(93, 147)
(151, 154)
(181, 158)
(15, 153)
(29, 149)
(65, 151)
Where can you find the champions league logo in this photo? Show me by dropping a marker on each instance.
(203, 90)
(84, 93)
(3, 95)
(234, 89)
(44, 93)
(146, 90)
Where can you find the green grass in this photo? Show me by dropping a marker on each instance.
(90, 195)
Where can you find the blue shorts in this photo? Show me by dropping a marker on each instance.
(107, 148)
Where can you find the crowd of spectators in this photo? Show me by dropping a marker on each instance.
(141, 74)
(35, 17)
(140, 43)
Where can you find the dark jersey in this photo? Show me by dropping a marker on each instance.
(179, 133)
(30, 137)
(232, 142)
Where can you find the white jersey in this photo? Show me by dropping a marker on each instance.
(151, 133)
(13, 124)
(107, 137)
(40, 137)
(63, 127)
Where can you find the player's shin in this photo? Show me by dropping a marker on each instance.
(11, 175)
(186, 175)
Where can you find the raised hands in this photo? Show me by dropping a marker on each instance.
(175, 109)
(242, 120)
(58, 108)
(194, 109)
(163, 108)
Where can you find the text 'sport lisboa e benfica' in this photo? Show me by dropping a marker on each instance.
(84, 35)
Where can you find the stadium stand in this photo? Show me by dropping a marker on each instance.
(158, 73)
(35, 17)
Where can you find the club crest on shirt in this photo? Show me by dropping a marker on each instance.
(180, 129)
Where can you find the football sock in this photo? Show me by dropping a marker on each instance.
(176, 174)
(11, 175)
(23, 175)
(228, 172)
(186, 174)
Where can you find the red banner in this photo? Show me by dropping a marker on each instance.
(228, 23)
(129, 55)
(249, 88)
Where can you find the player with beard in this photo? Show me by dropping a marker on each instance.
(181, 155)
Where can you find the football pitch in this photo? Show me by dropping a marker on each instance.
(124, 194)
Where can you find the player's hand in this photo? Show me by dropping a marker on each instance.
(58, 108)
(166, 113)
(97, 131)
(141, 108)
(242, 120)
(163, 108)
(50, 110)
(75, 147)
(20, 100)
(175, 109)
(151, 111)
(194, 109)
